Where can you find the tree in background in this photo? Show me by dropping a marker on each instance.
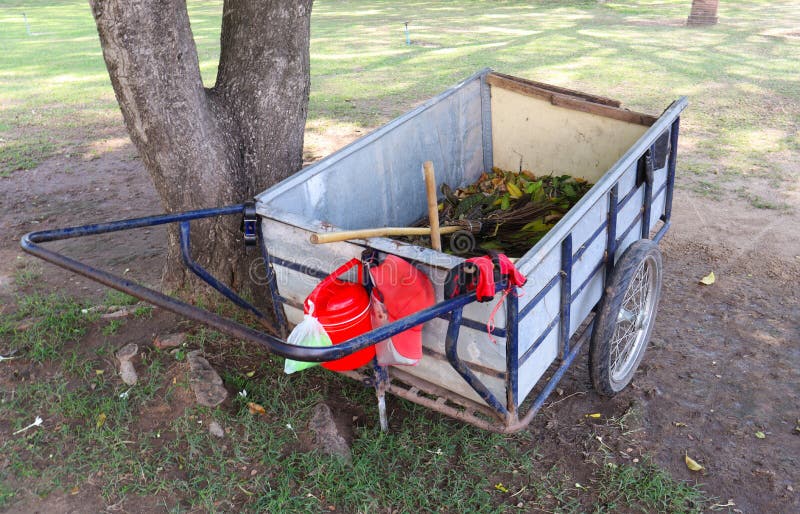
(209, 147)
(704, 12)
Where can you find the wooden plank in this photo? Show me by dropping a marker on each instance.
(556, 89)
(570, 101)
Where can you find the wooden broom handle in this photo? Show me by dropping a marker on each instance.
(334, 237)
(433, 205)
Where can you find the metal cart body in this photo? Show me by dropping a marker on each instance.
(488, 120)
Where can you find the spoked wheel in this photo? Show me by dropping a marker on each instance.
(626, 317)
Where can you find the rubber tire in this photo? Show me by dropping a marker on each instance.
(606, 319)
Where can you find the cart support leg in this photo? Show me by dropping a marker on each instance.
(381, 384)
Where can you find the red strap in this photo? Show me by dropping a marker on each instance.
(485, 290)
(515, 278)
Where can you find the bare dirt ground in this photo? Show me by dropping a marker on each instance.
(724, 361)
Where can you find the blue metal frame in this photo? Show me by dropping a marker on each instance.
(611, 237)
(451, 350)
(670, 185)
(566, 293)
(512, 349)
(648, 192)
(209, 279)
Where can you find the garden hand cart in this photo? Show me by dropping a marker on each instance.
(596, 275)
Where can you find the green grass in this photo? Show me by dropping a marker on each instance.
(112, 327)
(424, 464)
(644, 488)
(25, 154)
(26, 276)
(95, 426)
(55, 93)
(114, 298)
(50, 322)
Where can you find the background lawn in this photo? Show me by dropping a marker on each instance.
(741, 75)
(151, 448)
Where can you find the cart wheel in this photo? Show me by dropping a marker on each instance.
(626, 317)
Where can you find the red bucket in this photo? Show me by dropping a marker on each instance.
(343, 309)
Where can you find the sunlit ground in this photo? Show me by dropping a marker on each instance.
(740, 75)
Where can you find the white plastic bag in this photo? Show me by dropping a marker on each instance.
(308, 332)
(385, 351)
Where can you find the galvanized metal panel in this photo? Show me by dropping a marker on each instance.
(535, 322)
(486, 121)
(591, 253)
(292, 244)
(659, 178)
(439, 372)
(627, 184)
(629, 211)
(658, 209)
(384, 168)
(537, 364)
(585, 301)
(659, 196)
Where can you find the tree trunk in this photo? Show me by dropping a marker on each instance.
(210, 147)
(704, 12)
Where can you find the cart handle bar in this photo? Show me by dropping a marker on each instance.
(29, 243)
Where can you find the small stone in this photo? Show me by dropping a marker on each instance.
(162, 342)
(328, 440)
(204, 381)
(127, 352)
(127, 371)
(122, 313)
(215, 429)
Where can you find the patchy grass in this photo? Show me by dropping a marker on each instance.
(24, 155)
(43, 324)
(644, 488)
(114, 298)
(56, 96)
(112, 327)
(151, 439)
(143, 312)
(759, 202)
(26, 276)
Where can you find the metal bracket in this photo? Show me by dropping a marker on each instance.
(249, 223)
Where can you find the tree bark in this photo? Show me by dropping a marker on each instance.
(209, 147)
(704, 12)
